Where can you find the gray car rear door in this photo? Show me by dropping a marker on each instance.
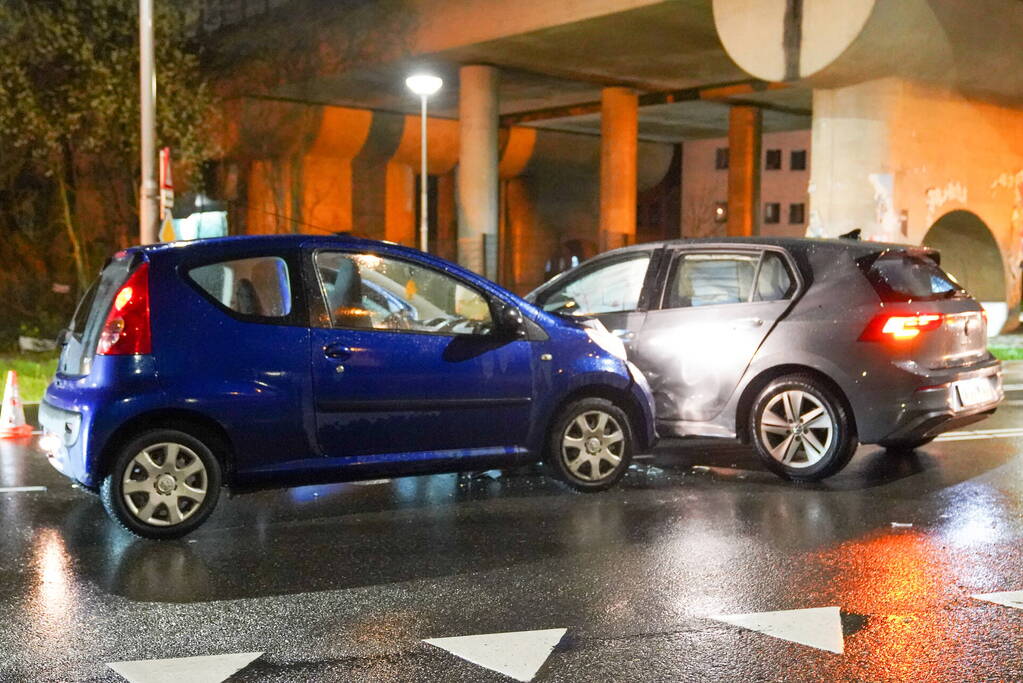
(716, 308)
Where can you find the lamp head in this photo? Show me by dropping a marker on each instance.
(423, 84)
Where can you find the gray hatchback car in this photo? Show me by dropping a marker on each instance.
(805, 348)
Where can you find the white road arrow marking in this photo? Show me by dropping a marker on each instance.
(209, 669)
(519, 654)
(1006, 598)
(819, 627)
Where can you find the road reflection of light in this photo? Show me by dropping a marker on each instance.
(973, 517)
(50, 599)
(898, 580)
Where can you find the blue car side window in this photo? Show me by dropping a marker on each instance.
(366, 291)
(253, 286)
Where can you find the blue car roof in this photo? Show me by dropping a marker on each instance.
(290, 240)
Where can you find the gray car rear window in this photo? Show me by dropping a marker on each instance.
(904, 277)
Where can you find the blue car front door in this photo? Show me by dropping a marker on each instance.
(407, 361)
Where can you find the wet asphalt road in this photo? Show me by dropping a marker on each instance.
(343, 582)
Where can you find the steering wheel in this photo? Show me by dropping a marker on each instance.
(398, 320)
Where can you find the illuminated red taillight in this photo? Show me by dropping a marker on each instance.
(889, 327)
(126, 330)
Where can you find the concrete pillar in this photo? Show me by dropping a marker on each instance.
(399, 204)
(619, 128)
(744, 126)
(853, 182)
(478, 169)
(445, 237)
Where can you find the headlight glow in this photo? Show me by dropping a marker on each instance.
(607, 341)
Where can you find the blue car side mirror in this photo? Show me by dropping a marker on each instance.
(510, 322)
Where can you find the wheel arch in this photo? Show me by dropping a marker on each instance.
(202, 427)
(756, 385)
(620, 397)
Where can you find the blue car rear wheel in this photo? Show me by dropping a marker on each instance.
(162, 484)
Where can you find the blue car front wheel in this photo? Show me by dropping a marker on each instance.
(591, 444)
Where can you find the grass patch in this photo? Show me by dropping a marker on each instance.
(34, 372)
(1007, 352)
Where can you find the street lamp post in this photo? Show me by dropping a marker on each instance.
(423, 85)
(149, 202)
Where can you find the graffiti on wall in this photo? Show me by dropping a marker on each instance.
(886, 219)
(1013, 181)
(937, 197)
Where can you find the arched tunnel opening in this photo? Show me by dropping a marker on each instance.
(970, 253)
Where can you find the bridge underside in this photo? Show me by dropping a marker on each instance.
(324, 136)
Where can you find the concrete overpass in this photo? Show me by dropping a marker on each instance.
(571, 115)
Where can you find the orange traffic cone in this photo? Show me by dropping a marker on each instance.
(12, 415)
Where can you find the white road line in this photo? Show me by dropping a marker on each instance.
(1000, 430)
(21, 489)
(1012, 387)
(982, 434)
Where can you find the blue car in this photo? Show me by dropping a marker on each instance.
(285, 360)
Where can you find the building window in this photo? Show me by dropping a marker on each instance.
(721, 158)
(797, 214)
(772, 212)
(773, 160)
(721, 211)
(797, 160)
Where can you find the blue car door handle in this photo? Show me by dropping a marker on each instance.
(337, 351)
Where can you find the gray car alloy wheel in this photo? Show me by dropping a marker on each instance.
(164, 484)
(796, 428)
(592, 445)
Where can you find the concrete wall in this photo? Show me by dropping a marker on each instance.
(893, 157)
(703, 185)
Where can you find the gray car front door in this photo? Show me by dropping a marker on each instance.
(611, 289)
(717, 307)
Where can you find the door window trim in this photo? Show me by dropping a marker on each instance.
(661, 296)
(319, 316)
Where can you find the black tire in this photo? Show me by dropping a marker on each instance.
(898, 446)
(811, 458)
(192, 513)
(561, 457)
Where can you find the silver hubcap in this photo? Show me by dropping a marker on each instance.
(592, 445)
(796, 428)
(164, 484)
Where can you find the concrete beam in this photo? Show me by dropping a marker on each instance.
(730, 93)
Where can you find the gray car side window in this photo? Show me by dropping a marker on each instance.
(774, 282)
(711, 279)
(611, 288)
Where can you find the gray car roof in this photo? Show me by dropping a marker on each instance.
(800, 244)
